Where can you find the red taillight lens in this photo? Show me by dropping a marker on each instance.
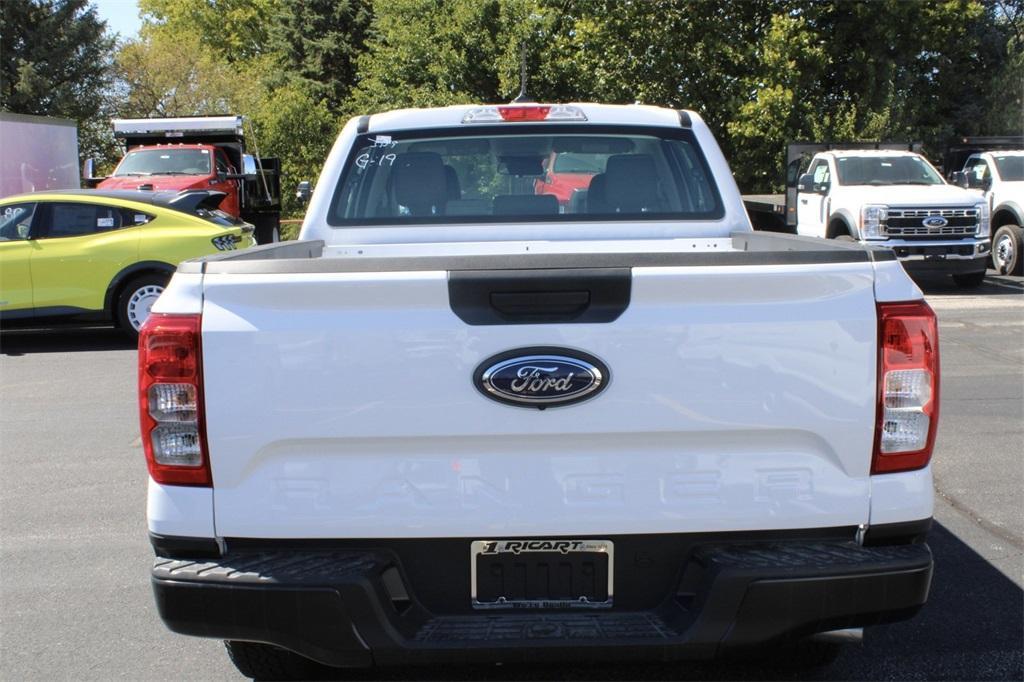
(908, 387)
(531, 113)
(171, 410)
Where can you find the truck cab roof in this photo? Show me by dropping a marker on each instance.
(1007, 152)
(577, 112)
(868, 152)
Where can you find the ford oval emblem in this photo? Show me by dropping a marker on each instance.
(935, 221)
(541, 377)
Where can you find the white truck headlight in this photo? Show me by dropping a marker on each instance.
(872, 221)
(984, 220)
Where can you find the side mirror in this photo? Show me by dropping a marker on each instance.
(249, 166)
(805, 183)
(89, 178)
(959, 178)
(973, 182)
(303, 192)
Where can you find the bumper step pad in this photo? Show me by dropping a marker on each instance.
(336, 606)
(520, 627)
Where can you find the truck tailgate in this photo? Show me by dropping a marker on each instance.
(342, 404)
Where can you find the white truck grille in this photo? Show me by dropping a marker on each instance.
(912, 223)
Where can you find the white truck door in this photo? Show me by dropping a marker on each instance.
(980, 178)
(810, 205)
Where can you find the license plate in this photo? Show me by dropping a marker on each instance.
(541, 574)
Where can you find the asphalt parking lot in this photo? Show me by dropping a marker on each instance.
(75, 601)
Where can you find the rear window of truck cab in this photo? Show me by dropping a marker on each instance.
(497, 174)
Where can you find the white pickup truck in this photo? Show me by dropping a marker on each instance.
(897, 199)
(880, 195)
(999, 177)
(462, 421)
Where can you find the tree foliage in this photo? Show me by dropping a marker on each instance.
(55, 60)
(234, 31)
(318, 42)
(760, 72)
(174, 75)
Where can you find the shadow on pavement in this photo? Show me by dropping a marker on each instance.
(994, 285)
(971, 629)
(15, 342)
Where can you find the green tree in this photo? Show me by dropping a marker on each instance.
(232, 30)
(1005, 115)
(55, 60)
(291, 125)
(318, 42)
(164, 74)
(429, 53)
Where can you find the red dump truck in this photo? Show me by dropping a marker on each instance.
(202, 152)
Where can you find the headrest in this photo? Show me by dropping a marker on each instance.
(631, 183)
(420, 182)
(452, 184)
(577, 202)
(597, 196)
(525, 204)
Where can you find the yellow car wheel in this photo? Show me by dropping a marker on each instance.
(137, 299)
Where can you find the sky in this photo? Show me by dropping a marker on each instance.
(122, 16)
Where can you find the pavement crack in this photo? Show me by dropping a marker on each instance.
(1007, 536)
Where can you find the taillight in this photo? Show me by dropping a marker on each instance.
(516, 113)
(523, 113)
(908, 387)
(171, 409)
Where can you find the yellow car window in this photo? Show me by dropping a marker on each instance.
(75, 220)
(15, 221)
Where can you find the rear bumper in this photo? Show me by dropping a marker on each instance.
(358, 607)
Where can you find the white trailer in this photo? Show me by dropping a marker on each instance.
(37, 153)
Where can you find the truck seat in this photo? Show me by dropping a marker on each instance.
(420, 182)
(631, 183)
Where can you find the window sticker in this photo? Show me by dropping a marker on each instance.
(104, 222)
(140, 218)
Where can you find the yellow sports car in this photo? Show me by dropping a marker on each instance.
(90, 256)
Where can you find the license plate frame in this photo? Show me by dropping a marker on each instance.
(554, 548)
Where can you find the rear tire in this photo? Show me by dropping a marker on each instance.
(268, 662)
(268, 228)
(844, 238)
(970, 280)
(1007, 250)
(136, 300)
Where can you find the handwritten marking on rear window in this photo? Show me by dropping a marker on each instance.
(375, 157)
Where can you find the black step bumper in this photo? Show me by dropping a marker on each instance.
(357, 607)
(914, 264)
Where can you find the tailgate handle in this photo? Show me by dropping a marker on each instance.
(545, 296)
(542, 303)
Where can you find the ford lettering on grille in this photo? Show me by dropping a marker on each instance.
(541, 377)
(935, 221)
